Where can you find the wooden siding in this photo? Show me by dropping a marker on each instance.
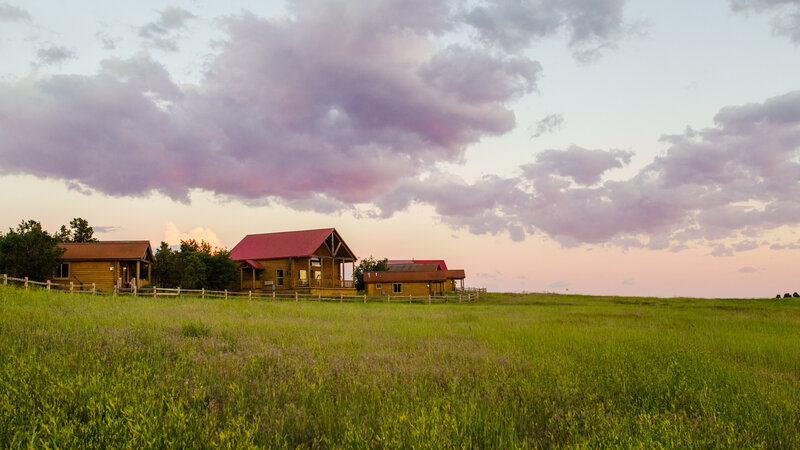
(88, 272)
(291, 274)
(101, 273)
(415, 288)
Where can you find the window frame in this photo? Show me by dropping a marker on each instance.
(279, 277)
(397, 288)
(59, 272)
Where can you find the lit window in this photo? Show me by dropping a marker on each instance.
(279, 278)
(397, 288)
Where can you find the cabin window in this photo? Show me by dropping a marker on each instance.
(397, 288)
(303, 274)
(316, 274)
(62, 271)
(279, 277)
(377, 286)
(316, 262)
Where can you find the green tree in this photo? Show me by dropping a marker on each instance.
(194, 266)
(368, 265)
(79, 231)
(29, 251)
(221, 270)
(165, 267)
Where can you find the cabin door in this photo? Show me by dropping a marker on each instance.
(128, 271)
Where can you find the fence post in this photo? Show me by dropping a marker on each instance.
(459, 298)
(388, 299)
(94, 288)
(116, 287)
(273, 295)
(179, 291)
(71, 287)
(5, 280)
(48, 285)
(295, 296)
(409, 299)
(202, 293)
(155, 291)
(26, 283)
(249, 295)
(226, 294)
(365, 298)
(429, 299)
(341, 297)
(319, 297)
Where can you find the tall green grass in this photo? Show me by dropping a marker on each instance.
(519, 371)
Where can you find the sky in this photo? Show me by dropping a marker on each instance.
(607, 147)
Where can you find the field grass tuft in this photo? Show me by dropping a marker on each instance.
(195, 329)
(514, 371)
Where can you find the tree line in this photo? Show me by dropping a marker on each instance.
(31, 251)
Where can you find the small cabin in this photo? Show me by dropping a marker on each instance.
(415, 283)
(306, 261)
(105, 263)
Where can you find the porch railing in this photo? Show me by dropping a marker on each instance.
(332, 284)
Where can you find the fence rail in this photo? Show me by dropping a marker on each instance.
(93, 289)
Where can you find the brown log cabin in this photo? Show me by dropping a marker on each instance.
(414, 277)
(105, 263)
(306, 262)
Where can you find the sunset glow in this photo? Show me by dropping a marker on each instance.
(596, 147)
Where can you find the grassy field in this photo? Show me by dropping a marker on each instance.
(514, 371)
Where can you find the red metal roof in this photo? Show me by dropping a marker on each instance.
(254, 264)
(431, 275)
(107, 250)
(286, 244)
(440, 262)
(413, 267)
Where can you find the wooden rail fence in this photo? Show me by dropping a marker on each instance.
(93, 289)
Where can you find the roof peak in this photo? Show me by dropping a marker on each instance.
(142, 241)
(331, 229)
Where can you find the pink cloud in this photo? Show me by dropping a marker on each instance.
(741, 177)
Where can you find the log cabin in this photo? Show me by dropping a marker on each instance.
(415, 283)
(306, 262)
(105, 263)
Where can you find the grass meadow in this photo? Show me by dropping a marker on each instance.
(512, 371)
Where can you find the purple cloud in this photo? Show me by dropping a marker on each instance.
(54, 55)
(11, 13)
(323, 108)
(548, 124)
(582, 165)
(741, 177)
(591, 25)
(786, 20)
(162, 34)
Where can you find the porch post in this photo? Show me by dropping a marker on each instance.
(241, 277)
(138, 269)
(149, 275)
(254, 279)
